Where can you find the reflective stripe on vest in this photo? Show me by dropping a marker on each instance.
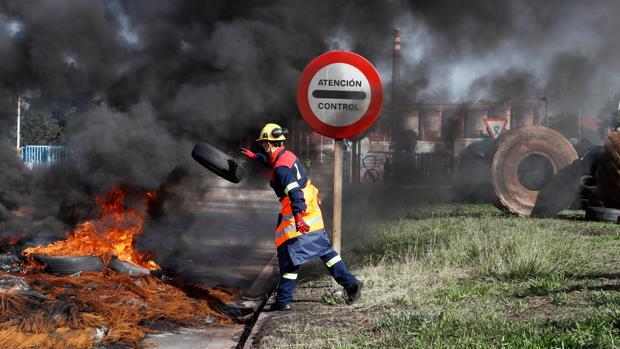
(286, 229)
(290, 227)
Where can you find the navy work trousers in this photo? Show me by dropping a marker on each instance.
(288, 273)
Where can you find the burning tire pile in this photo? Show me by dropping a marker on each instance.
(94, 288)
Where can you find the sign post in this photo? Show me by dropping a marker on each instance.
(339, 95)
(337, 217)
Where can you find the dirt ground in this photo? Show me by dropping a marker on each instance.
(318, 304)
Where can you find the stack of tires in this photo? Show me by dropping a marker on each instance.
(529, 171)
(608, 182)
(588, 192)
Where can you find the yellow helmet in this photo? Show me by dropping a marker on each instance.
(272, 132)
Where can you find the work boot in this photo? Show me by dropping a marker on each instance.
(354, 292)
(279, 307)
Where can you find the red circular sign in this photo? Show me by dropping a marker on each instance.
(340, 94)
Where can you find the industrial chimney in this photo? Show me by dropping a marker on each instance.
(396, 64)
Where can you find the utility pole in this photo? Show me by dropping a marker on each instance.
(19, 120)
(579, 124)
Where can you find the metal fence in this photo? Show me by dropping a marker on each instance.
(419, 167)
(36, 155)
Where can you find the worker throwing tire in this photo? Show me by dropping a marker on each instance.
(300, 234)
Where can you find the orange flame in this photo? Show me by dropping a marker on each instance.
(112, 234)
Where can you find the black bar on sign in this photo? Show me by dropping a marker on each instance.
(336, 94)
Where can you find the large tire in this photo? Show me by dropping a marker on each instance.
(127, 268)
(67, 265)
(602, 214)
(218, 162)
(608, 172)
(535, 171)
(472, 173)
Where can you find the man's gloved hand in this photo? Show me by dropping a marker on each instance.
(301, 225)
(247, 152)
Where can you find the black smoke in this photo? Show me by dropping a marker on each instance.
(563, 50)
(148, 79)
(139, 82)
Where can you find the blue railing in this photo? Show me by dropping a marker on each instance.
(45, 154)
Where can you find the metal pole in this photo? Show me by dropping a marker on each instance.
(354, 162)
(546, 120)
(546, 113)
(19, 120)
(616, 124)
(337, 223)
(579, 125)
(321, 154)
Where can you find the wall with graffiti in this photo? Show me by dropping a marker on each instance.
(373, 153)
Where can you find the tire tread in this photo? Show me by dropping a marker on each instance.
(218, 162)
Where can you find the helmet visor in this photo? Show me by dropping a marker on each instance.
(278, 132)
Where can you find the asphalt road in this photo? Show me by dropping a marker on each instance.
(224, 237)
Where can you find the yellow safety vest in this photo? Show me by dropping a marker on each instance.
(312, 216)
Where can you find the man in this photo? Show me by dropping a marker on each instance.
(300, 234)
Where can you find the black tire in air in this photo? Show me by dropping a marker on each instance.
(218, 162)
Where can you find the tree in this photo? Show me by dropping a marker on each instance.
(609, 115)
(567, 123)
(39, 127)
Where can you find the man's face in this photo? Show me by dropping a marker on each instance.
(266, 146)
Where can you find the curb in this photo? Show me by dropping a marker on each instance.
(265, 283)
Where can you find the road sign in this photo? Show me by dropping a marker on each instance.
(340, 94)
(495, 126)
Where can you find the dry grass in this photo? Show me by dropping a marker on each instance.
(63, 337)
(128, 307)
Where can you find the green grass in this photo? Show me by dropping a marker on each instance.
(488, 243)
(488, 330)
(468, 276)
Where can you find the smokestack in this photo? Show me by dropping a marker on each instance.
(396, 64)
